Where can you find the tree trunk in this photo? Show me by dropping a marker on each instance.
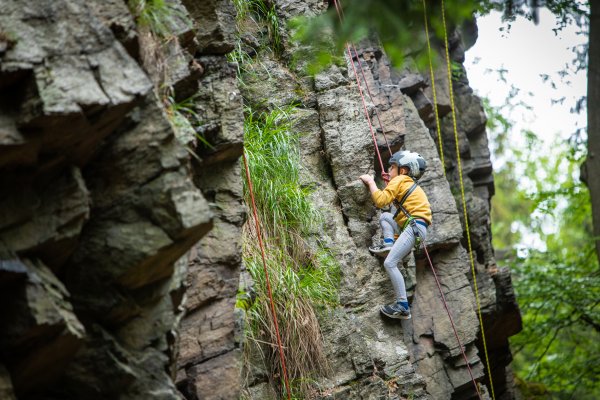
(592, 163)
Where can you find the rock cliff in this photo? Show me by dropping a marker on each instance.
(120, 229)
(100, 200)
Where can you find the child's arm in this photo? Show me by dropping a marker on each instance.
(382, 198)
(370, 182)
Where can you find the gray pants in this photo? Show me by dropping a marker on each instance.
(401, 248)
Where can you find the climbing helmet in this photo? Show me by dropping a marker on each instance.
(413, 161)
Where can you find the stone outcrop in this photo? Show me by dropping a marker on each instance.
(37, 316)
(210, 355)
(101, 202)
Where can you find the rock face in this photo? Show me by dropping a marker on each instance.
(210, 358)
(371, 357)
(101, 202)
(120, 229)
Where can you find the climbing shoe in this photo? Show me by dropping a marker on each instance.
(396, 311)
(381, 250)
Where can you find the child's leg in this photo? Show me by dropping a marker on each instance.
(388, 226)
(401, 249)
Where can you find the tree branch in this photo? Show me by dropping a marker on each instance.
(590, 321)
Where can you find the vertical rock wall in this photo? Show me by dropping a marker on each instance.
(371, 356)
(100, 201)
(210, 359)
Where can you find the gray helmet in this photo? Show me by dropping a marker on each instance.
(413, 161)
(397, 156)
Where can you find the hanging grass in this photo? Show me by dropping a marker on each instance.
(156, 15)
(184, 116)
(298, 323)
(303, 279)
(264, 13)
(274, 162)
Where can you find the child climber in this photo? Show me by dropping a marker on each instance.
(411, 211)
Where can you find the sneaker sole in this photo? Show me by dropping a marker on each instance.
(382, 254)
(398, 316)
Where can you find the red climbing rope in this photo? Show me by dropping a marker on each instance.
(362, 72)
(262, 253)
(384, 175)
(386, 178)
(462, 350)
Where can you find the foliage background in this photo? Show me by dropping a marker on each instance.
(540, 200)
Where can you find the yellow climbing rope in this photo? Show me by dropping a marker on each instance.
(462, 186)
(437, 117)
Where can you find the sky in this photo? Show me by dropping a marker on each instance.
(526, 52)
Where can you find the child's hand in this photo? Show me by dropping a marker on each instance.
(367, 179)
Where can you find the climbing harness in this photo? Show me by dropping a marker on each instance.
(272, 303)
(416, 165)
(411, 221)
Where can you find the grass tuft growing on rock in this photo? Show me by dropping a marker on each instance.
(186, 122)
(274, 161)
(156, 15)
(303, 277)
(261, 13)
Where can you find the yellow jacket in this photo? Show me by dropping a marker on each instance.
(416, 203)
